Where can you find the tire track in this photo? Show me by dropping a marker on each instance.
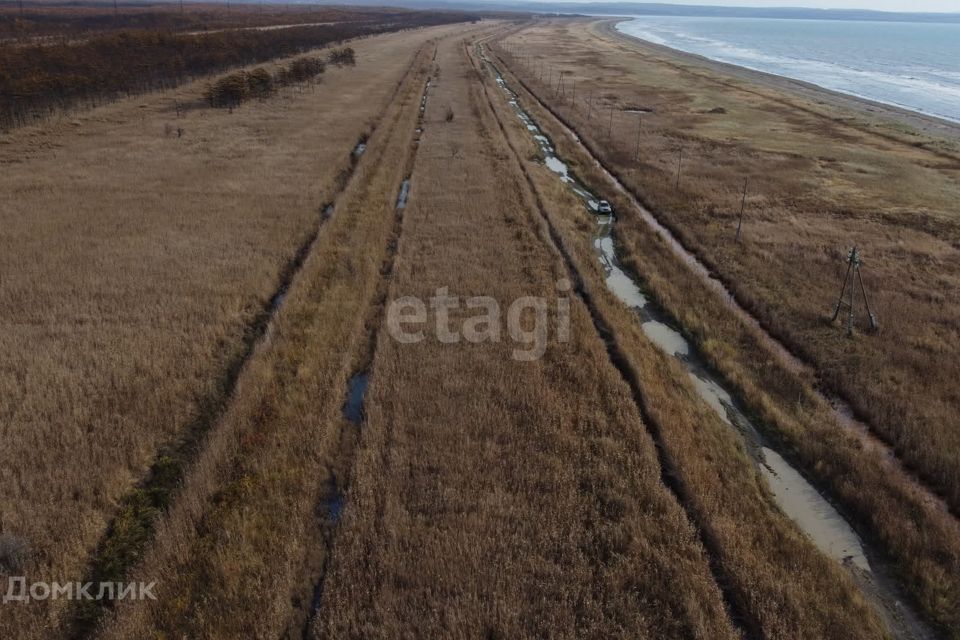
(129, 533)
(745, 624)
(333, 501)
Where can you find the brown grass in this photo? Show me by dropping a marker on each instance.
(821, 178)
(141, 261)
(588, 493)
(496, 498)
(780, 584)
(243, 528)
(919, 536)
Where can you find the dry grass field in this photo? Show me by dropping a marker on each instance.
(46, 76)
(246, 528)
(820, 179)
(493, 497)
(912, 528)
(188, 298)
(135, 262)
(778, 585)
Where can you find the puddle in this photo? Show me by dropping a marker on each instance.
(804, 501)
(359, 149)
(404, 193)
(638, 110)
(328, 210)
(277, 299)
(329, 510)
(333, 505)
(794, 495)
(356, 394)
(558, 167)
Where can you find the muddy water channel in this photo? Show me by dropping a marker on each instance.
(794, 495)
(822, 523)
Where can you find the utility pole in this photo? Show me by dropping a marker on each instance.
(636, 153)
(679, 164)
(559, 85)
(743, 201)
(850, 280)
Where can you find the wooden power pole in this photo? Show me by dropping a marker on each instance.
(636, 153)
(851, 280)
(679, 165)
(743, 201)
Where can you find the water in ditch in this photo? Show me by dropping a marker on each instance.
(795, 496)
(356, 396)
(404, 193)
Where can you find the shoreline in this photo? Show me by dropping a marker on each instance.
(926, 124)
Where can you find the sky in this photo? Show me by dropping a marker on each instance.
(948, 6)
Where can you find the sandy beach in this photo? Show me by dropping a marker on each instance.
(803, 95)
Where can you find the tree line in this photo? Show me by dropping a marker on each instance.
(38, 80)
(73, 20)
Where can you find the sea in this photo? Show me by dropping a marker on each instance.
(914, 65)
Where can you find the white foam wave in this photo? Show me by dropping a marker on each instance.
(934, 91)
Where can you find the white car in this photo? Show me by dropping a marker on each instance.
(604, 208)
